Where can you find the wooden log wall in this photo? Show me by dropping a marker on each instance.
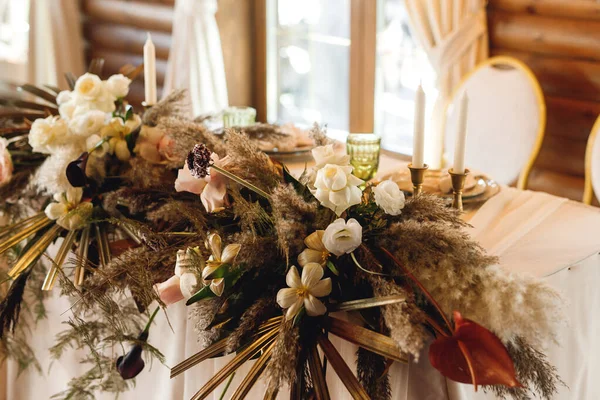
(116, 31)
(560, 41)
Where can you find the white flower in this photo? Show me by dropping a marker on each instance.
(67, 109)
(304, 291)
(316, 251)
(63, 97)
(216, 260)
(389, 197)
(118, 130)
(118, 85)
(47, 133)
(342, 237)
(68, 211)
(92, 142)
(89, 87)
(327, 155)
(188, 281)
(6, 164)
(88, 123)
(336, 188)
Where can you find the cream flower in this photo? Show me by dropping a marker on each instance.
(47, 133)
(99, 152)
(188, 281)
(118, 85)
(6, 164)
(216, 260)
(118, 130)
(87, 124)
(336, 188)
(89, 86)
(342, 237)
(67, 109)
(63, 97)
(153, 145)
(304, 291)
(68, 211)
(389, 197)
(324, 155)
(316, 251)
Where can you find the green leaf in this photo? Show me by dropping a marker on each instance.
(128, 112)
(300, 188)
(299, 316)
(204, 293)
(333, 268)
(130, 139)
(231, 277)
(220, 272)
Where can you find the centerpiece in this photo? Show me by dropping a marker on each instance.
(152, 209)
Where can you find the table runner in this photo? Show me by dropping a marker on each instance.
(552, 234)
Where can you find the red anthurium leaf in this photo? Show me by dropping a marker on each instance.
(473, 355)
(118, 247)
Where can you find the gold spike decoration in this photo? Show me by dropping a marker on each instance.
(361, 304)
(16, 227)
(254, 373)
(35, 251)
(103, 246)
(211, 351)
(82, 252)
(342, 370)
(61, 255)
(366, 338)
(317, 374)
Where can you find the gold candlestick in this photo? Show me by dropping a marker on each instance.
(417, 176)
(458, 184)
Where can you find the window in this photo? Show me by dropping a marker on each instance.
(309, 49)
(14, 31)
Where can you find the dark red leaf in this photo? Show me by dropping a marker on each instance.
(473, 355)
(118, 247)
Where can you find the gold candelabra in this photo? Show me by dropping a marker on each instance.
(417, 176)
(458, 184)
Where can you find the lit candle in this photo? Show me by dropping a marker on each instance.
(419, 129)
(461, 136)
(150, 71)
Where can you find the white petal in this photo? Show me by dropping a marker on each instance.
(286, 297)
(322, 288)
(310, 256)
(315, 240)
(292, 278)
(230, 252)
(293, 310)
(314, 306)
(214, 244)
(188, 283)
(74, 195)
(217, 286)
(122, 151)
(339, 180)
(56, 210)
(208, 270)
(311, 274)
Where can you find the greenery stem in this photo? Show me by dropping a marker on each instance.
(227, 386)
(242, 182)
(147, 328)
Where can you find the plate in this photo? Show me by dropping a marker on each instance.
(302, 150)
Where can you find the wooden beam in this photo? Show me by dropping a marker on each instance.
(259, 65)
(556, 183)
(125, 39)
(561, 77)
(553, 36)
(138, 14)
(114, 61)
(576, 9)
(363, 32)
(570, 118)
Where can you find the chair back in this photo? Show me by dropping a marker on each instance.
(506, 120)
(592, 165)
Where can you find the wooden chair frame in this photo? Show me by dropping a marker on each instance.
(588, 192)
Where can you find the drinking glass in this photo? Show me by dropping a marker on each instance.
(239, 116)
(363, 149)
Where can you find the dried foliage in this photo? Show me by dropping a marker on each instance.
(282, 367)
(372, 373)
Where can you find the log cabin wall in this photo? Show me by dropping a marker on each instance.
(560, 41)
(115, 30)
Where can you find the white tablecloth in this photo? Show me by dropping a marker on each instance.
(533, 233)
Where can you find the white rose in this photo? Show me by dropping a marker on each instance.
(89, 86)
(336, 188)
(46, 133)
(88, 123)
(6, 164)
(66, 110)
(63, 97)
(118, 85)
(327, 155)
(342, 237)
(389, 197)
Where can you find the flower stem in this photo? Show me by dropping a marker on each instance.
(227, 386)
(242, 182)
(99, 144)
(365, 270)
(147, 328)
(420, 285)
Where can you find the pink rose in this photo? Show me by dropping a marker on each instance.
(6, 164)
(169, 291)
(153, 145)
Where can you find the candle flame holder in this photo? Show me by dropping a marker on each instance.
(458, 184)
(417, 177)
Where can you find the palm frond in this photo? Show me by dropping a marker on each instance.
(35, 251)
(59, 260)
(253, 375)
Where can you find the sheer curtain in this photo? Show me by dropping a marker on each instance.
(55, 42)
(453, 33)
(196, 57)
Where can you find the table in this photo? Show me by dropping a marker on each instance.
(549, 237)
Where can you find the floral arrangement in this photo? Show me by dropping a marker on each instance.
(156, 209)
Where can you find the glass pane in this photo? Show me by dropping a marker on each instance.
(308, 69)
(14, 30)
(401, 65)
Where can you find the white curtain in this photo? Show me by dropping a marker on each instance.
(196, 57)
(453, 33)
(55, 42)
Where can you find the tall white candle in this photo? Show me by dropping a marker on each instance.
(150, 71)
(419, 129)
(461, 136)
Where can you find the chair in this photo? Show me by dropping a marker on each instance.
(592, 166)
(506, 120)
